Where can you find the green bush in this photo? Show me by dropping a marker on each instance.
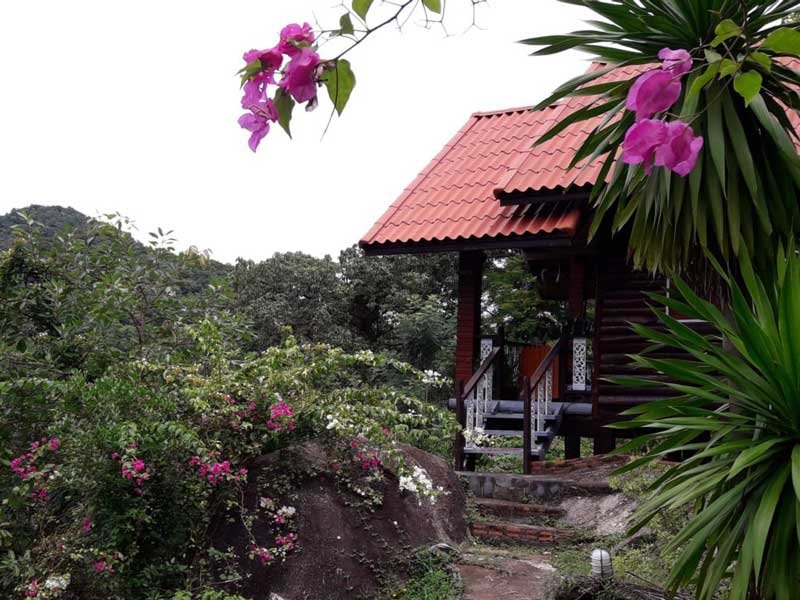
(129, 417)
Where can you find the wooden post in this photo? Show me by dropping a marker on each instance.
(572, 446)
(468, 316)
(563, 367)
(462, 422)
(604, 440)
(526, 426)
(576, 305)
(499, 368)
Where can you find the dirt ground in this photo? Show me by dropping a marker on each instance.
(496, 574)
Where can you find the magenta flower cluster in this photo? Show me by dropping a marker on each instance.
(216, 471)
(264, 555)
(285, 541)
(658, 142)
(238, 412)
(298, 79)
(280, 416)
(367, 457)
(25, 466)
(133, 469)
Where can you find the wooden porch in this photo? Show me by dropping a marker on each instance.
(569, 393)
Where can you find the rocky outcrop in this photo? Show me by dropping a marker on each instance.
(346, 548)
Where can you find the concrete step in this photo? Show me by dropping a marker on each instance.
(514, 487)
(517, 510)
(517, 533)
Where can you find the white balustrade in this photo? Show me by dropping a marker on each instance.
(579, 363)
(541, 404)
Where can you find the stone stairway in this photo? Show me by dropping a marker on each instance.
(546, 508)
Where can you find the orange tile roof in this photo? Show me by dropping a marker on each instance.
(455, 198)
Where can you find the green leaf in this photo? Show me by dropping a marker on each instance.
(346, 24)
(762, 60)
(361, 8)
(727, 67)
(755, 454)
(748, 85)
(433, 5)
(700, 82)
(249, 70)
(716, 134)
(340, 82)
(763, 520)
(725, 31)
(796, 471)
(712, 56)
(285, 105)
(784, 40)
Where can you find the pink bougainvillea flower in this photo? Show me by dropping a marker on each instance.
(294, 35)
(680, 148)
(257, 122)
(641, 141)
(255, 88)
(86, 525)
(55, 444)
(271, 58)
(299, 76)
(677, 62)
(652, 93)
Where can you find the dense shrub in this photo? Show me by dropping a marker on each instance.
(129, 417)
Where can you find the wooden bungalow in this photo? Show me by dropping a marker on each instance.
(491, 188)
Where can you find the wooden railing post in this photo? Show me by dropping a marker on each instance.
(563, 367)
(526, 426)
(462, 423)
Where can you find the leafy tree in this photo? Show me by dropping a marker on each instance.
(513, 301)
(293, 290)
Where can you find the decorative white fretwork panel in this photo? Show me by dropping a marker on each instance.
(579, 364)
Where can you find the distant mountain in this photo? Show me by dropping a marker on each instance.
(53, 218)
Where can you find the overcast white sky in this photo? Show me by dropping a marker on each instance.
(131, 106)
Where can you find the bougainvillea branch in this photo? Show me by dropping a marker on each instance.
(276, 79)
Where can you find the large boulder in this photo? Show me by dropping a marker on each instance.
(348, 547)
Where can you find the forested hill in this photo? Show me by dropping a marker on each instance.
(53, 220)
(401, 305)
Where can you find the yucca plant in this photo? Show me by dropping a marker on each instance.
(739, 419)
(738, 95)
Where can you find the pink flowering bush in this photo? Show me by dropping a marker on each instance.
(140, 460)
(123, 440)
(215, 471)
(36, 478)
(365, 455)
(133, 469)
(284, 541)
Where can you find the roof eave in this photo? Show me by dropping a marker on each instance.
(559, 239)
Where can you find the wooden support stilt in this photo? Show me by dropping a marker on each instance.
(572, 446)
(604, 441)
(462, 421)
(527, 435)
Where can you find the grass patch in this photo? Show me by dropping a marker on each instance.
(431, 578)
